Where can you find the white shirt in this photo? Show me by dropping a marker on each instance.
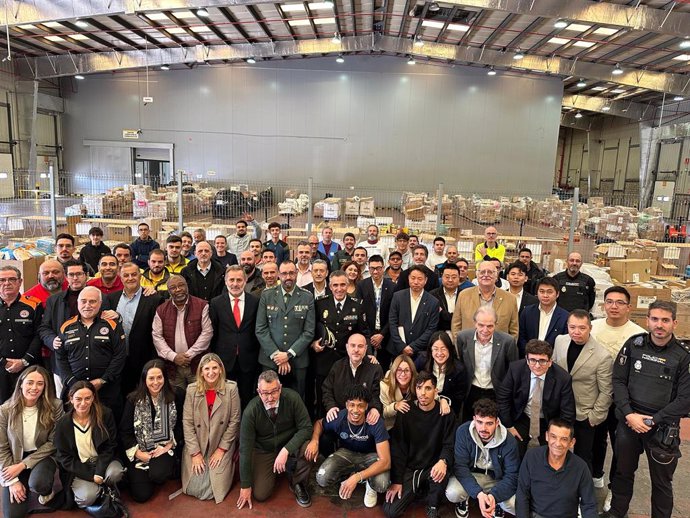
(84, 442)
(414, 304)
(435, 259)
(377, 297)
(451, 299)
(304, 277)
(518, 297)
(241, 304)
(319, 294)
(505, 285)
(544, 321)
(440, 377)
(30, 418)
(532, 383)
(613, 338)
(482, 363)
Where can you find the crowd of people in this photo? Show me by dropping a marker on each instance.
(356, 363)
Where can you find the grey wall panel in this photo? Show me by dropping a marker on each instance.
(370, 122)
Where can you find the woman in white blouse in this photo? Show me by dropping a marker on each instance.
(27, 427)
(86, 439)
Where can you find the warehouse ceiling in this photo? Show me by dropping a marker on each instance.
(618, 57)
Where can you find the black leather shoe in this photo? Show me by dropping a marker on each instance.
(301, 495)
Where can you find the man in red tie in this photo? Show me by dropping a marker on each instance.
(233, 316)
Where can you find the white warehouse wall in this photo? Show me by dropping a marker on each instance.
(370, 121)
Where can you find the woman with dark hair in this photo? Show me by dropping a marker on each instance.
(27, 428)
(211, 423)
(441, 359)
(86, 439)
(354, 275)
(151, 431)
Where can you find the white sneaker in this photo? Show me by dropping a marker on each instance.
(370, 496)
(598, 482)
(607, 502)
(43, 500)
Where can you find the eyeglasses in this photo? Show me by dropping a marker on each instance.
(375, 268)
(403, 371)
(72, 275)
(8, 280)
(619, 303)
(540, 362)
(269, 393)
(488, 273)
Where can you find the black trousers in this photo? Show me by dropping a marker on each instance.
(416, 482)
(143, 482)
(7, 382)
(38, 480)
(607, 428)
(522, 426)
(473, 395)
(629, 446)
(584, 440)
(246, 382)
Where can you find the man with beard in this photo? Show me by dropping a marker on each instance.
(394, 269)
(303, 263)
(578, 290)
(51, 280)
(156, 275)
(255, 283)
(222, 255)
(64, 250)
(204, 276)
(182, 331)
(314, 249)
(534, 272)
(285, 328)
(345, 254)
(239, 242)
(109, 281)
(360, 256)
(373, 244)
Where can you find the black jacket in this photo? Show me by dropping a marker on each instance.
(90, 254)
(195, 280)
(454, 385)
(366, 293)
(340, 378)
(228, 340)
(445, 316)
(127, 438)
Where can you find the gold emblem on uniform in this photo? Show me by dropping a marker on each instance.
(325, 313)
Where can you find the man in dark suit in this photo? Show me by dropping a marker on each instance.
(319, 285)
(447, 295)
(204, 275)
(486, 353)
(543, 321)
(376, 294)
(285, 328)
(338, 317)
(233, 316)
(137, 312)
(534, 391)
(420, 254)
(516, 275)
(413, 316)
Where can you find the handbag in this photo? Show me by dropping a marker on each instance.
(108, 504)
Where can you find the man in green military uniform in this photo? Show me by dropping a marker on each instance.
(285, 328)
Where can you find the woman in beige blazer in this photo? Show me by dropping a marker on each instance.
(27, 428)
(211, 422)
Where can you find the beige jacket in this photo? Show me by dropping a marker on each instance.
(505, 306)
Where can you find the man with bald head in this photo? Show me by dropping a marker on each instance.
(489, 248)
(578, 290)
(93, 349)
(51, 280)
(269, 274)
(204, 275)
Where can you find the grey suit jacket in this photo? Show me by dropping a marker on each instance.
(280, 327)
(503, 351)
(592, 378)
(12, 438)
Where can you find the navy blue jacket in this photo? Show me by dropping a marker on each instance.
(529, 326)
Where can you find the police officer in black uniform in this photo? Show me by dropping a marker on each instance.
(578, 290)
(20, 316)
(651, 389)
(93, 349)
(338, 316)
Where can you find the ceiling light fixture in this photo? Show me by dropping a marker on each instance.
(605, 108)
(685, 44)
(578, 115)
(491, 72)
(434, 7)
(581, 83)
(617, 70)
(251, 61)
(560, 24)
(518, 55)
(165, 67)
(79, 76)
(202, 12)
(418, 41)
(82, 24)
(336, 38)
(329, 3)
(411, 61)
(679, 98)
(340, 59)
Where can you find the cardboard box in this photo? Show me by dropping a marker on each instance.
(631, 270)
(641, 296)
(119, 233)
(28, 268)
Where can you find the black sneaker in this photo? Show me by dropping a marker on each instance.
(462, 510)
(301, 495)
(432, 512)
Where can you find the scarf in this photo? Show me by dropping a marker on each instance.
(154, 422)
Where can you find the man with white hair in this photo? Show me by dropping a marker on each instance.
(93, 349)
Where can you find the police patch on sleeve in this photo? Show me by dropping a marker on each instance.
(638, 365)
(639, 340)
(622, 359)
(343, 435)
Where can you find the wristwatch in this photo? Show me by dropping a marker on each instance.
(290, 355)
(25, 363)
(648, 422)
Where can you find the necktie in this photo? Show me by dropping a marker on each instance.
(273, 413)
(339, 306)
(287, 298)
(236, 312)
(535, 409)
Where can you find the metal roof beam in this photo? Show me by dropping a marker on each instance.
(625, 109)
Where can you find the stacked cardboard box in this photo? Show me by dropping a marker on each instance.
(485, 211)
(113, 202)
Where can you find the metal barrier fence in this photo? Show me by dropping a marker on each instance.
(601, 226)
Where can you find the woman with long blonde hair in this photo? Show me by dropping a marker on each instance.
(27, 429)
(397, 389)
(211, 423)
